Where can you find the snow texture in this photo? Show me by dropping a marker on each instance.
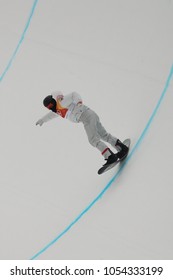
(118, 55)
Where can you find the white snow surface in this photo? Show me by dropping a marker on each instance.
(118, 56)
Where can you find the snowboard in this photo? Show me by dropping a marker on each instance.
(110, 166)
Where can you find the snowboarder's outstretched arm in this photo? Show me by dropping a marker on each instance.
(51, 115)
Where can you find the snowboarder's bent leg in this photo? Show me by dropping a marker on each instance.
(115, 142)
(90, 119)
(107, 137)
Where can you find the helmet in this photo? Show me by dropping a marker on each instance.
(50, 103)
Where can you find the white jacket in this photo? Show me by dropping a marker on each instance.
(69, 106)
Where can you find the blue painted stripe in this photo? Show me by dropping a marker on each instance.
(20, 41)
(116, 175)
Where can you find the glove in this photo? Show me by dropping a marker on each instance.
(60, 97)
(40, 122)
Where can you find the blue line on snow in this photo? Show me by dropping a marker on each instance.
(118, 172)
(20, 41)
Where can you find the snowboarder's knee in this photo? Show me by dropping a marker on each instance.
(94, 141)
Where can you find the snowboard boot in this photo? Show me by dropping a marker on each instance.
(122, 149)
(111, 159)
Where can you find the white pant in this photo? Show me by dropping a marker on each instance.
(96, 132)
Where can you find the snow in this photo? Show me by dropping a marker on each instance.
(118, 56)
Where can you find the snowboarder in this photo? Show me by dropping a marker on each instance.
(71, 107)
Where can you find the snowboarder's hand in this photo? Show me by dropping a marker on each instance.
(60, 97)
(40, 122)
(79, 103)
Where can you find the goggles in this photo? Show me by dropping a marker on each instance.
(51, 107)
